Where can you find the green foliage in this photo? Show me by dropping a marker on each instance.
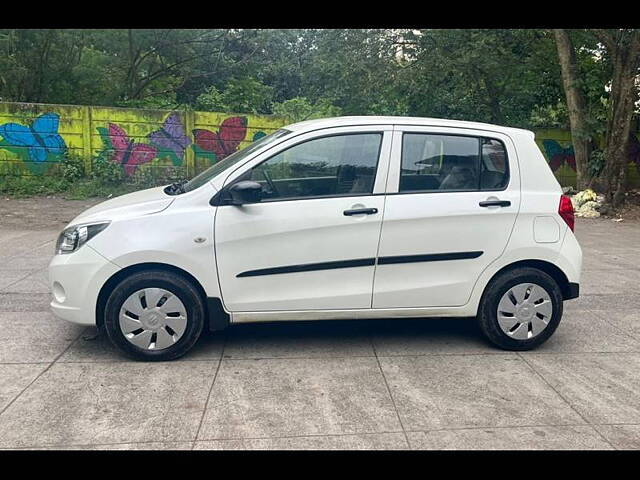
(299, 109)
(71, 180)
(106, 172)
(240, 95)
(32, 185)
(506, 76)
(550, 116)
(72, 168)
(596, 162)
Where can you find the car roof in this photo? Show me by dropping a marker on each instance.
(320, 123)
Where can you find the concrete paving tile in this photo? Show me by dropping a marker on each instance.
(30, 263)
(34, 283)
(378, 441)
(603, 388)
(622, 437)
(592, 263)
(587, 331)
(429, 336)
(15, 378)
(611, 281)
(603, 302)
(298, 339)
(626, 320)
(9, 277)
(89, 348)
(24, 302)
(120, 446)
(519, 438)
(81, 404)
(456, 391)
(9, 235)
(28, 337)
(26, 244)
(287, 397)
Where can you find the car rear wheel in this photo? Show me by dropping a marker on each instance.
(520, 309)
(154, 315)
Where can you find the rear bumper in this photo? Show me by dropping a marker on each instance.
(573, 291)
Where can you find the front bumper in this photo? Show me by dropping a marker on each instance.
(75, 281)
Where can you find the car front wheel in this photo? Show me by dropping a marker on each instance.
(520, 309)
(154, 315)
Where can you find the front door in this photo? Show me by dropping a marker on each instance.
(310, 244)
(453, 200)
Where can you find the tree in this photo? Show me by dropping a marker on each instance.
(299, 109)
(494, 76)
(623, 49)
(576, 105)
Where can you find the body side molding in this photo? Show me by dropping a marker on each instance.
(360, 262)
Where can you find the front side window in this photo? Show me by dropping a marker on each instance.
(435, 162)
(233, 159)
(338, 165)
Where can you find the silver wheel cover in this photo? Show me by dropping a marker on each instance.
(524, 311)
(153, 319)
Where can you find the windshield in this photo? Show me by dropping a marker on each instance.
(232, 159)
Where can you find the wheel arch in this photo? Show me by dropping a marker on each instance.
(549, 268)
(217, 318)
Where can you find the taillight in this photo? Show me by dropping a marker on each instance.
(565, 210)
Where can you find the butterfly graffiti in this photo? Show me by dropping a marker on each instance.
(171, 137)
(126, 151)
(41, 138)
(232, 131)
(559, 155)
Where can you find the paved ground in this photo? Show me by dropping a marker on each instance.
(392, 384)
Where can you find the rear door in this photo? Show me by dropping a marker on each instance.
(452, 200)
(311, 243)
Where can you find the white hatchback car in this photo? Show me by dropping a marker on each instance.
(341, 218)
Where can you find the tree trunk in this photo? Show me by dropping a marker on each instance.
(623, 97)
(576, 105)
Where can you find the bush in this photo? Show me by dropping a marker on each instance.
(596, 163)
(70, 180)
(72, 168)
(107, 172)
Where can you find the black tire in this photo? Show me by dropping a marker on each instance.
(488, 309)
(176, 284)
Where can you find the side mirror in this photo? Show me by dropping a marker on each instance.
(243, 192)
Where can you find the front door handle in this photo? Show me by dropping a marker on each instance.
(495, 203)
(360, 211)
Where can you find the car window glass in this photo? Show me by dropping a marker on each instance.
(494, 168)
(329, 166)
(433, 162)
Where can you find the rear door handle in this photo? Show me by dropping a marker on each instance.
(360, 211)
(495, 203)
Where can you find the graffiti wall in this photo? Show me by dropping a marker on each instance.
(34, 138)
(557, 148)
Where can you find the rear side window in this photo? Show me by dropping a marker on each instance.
(494, 168)
(436, 163)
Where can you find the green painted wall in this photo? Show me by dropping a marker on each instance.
(34, 138)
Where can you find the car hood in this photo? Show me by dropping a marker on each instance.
(144, 202)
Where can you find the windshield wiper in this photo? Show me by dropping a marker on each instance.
(175, 188)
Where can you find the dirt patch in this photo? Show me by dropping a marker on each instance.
(41, 213)
(631, 210)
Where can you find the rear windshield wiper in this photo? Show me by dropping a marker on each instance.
(175, 188)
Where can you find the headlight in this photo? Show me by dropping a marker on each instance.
(72, 238)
